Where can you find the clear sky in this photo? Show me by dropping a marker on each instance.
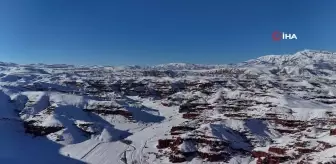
(147, 32)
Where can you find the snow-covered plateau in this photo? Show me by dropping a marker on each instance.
(273, 109)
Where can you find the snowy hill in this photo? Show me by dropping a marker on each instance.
(301, 58)
(185, 66)
(273, 109)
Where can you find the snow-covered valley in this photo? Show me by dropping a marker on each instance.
(274, 109)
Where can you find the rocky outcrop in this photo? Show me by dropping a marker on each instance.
(175, 130)
(333, 132)
(31, 127)
(190, 115)
(88, 127)
(164, 143)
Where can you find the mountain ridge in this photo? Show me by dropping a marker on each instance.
(281, 60)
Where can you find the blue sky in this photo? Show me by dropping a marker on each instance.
(147, 32)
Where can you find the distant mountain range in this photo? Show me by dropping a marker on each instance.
(315, 58)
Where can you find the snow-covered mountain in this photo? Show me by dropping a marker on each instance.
(273, 109)
(185, 66)
(301, 58)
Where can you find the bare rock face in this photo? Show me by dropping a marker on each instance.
(333, 132)
(108, 108)
(33, 128)
(164, 143)
(88, 127)
(190, 115)
(124, 113)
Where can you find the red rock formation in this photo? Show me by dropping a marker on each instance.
(210, 142)
(273, 160)
(333, 132)
(286, 130)
(213, 157)
(289, 123)
(258, 154)
(190, 115)
(242, 115)
(175, 143)
(164, 143)
(175, 130)
(277, 150)
(124, 113)
(304, 150)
